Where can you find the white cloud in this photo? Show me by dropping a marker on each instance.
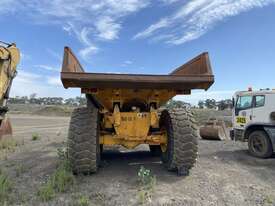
(49, 68)
(151, 29)
(126, 63)
(107, 28)
(26, 83)
(96, 20)
(169, 1)
(54, 81)
(87, 52)
(54, 54)
(197, 17)
(26, 77)
(8, 6)
(24, 57)
(83, 36)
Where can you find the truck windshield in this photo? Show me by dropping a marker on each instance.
(244, 102)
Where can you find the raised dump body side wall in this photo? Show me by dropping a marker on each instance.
(108, 88)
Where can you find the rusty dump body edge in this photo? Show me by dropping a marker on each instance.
(196, 74)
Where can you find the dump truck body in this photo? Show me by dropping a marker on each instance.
(128, 103)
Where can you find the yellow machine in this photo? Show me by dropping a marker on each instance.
(9, 58)
(124, 109)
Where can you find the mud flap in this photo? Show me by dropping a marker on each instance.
(271, 133)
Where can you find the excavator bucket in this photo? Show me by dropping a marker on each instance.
(214, 129)
(5, 128)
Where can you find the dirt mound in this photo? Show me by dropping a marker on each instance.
(202, 115)
(54, 111)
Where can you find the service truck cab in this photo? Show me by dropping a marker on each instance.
(253, 120)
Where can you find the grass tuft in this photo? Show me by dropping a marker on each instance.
(35, 137)
(60, 181)
(20, 169)
(5, 188)
(63, 178)
(147, 182)
(268, 200)
(46, 192)
(8, 144)
(83, 201)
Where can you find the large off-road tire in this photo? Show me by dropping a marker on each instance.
(182, 136)
(259, 144)
(83, 141)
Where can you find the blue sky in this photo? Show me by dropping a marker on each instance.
(142, 36)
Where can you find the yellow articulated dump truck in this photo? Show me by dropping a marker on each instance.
(124, 109)
(9, 59)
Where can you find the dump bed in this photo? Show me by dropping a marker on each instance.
(196, 74)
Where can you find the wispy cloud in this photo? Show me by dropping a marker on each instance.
(87, 52)
(127, 63)
(96, 20)
(27, 83)
(107, 28)
(49, 68)
(54, 54)
(54, 81)
(26, 77)
(82, 35)
(169, 1)
(9, 6)
(195, 18)
(163, 23)
(24, 56)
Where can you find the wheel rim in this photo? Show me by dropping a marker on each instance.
(258, 144)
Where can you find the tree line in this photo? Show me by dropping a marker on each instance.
(202, 104)
(34, 99)
(78, 101)
(213, 104)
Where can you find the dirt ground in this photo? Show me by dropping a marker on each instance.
(225, 173)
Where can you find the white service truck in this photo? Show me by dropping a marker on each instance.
(254, 121)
